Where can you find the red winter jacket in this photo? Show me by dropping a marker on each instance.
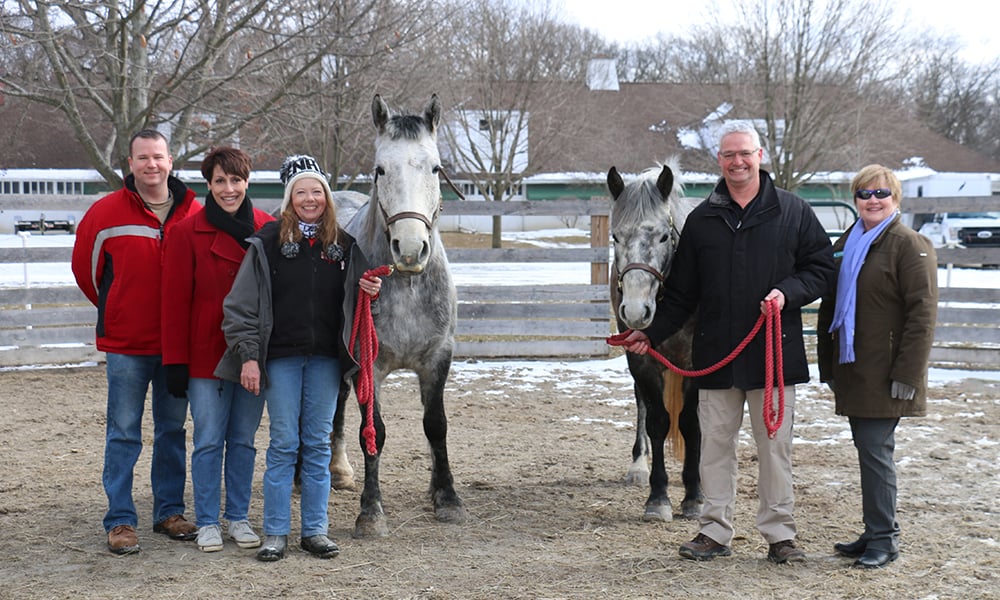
(117, 262)
(200, 265)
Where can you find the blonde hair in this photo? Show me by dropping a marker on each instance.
(875, 173)
(328, 228)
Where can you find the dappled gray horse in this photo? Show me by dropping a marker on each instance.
(646, 219)
(417, 307)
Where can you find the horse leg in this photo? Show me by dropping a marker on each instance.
(649, 391)
(691, 430)
(447, 505)
(341, 472)
(371, 520)
(658, 503)
(638, 471)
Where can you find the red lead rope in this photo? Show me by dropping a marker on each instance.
(772, 354)
(363, 331)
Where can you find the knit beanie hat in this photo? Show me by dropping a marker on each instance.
(299, 167)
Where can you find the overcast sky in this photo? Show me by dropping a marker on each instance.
(627, 20)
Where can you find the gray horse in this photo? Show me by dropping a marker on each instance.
(417, 309)
(646, 219)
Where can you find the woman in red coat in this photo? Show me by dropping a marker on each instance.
(201, 260)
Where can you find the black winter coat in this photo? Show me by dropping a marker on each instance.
(726, 263)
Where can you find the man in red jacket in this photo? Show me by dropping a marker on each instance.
(117, 262)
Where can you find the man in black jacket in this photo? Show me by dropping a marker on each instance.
(748, 244)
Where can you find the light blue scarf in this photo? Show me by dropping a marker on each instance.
(855, 250)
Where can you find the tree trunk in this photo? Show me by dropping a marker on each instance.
(497, 230)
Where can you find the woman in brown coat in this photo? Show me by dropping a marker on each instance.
(875, 331)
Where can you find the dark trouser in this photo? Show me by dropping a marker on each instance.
(875, 441)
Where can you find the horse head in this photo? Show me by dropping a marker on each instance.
(645, 229)
(406, 189)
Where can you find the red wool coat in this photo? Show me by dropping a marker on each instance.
(200, 265)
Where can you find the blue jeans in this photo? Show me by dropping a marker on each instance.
(301, 398)
(129, 377)
(226, 417)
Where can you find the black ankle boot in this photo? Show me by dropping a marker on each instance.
(851, 550)
(321, 546)
(273, 548)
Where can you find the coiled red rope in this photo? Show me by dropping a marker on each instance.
(773, 363)
(363, 331)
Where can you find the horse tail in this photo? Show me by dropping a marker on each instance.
(673, 402)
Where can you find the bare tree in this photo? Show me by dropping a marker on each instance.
(380, 44)
(956, 98)
(799, 68)
(201, 69)
(508, 61)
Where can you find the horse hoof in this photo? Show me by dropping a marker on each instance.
(691, 509)
(343, 483)
(455, 515)
(638, 473)
(637, 478)
(371, 526)
(661, 513)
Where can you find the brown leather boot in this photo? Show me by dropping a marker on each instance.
(122, 540)
(177, 527)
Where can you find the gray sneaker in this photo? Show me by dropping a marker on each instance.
(242, 533)
(210, 538)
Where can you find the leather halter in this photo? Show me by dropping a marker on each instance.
(409, 214)
(660, 277)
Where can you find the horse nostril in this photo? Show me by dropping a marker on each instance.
(647, 314)
(395, 247)
(425, 250)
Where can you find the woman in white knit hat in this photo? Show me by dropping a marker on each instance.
(287, 322)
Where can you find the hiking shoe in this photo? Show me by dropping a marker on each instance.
(122, 540)
(242, 533)
(210, 538)
(703, 547)
(785, 552)
(177, 528)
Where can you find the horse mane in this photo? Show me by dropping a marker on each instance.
(643, 196)
(408, 127)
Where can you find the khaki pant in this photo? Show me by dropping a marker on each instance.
(721, 414)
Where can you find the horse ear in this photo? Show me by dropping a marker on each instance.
(432, 113)
(615, 184)
(665, 182)
(380, 113)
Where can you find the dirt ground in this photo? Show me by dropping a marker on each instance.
(539, 452)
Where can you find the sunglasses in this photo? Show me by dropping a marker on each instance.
(879, 193)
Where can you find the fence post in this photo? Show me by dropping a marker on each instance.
(599, 233)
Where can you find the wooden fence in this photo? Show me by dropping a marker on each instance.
(42, 325)
(968, 325)
(55, 325)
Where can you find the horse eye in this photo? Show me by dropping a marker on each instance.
(436, 169)
(614, 238)
(666, 236)
(379, 171)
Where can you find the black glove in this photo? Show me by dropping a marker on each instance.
(177, 380)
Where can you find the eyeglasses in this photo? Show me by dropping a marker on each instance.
(744, 154)
(879, 193)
